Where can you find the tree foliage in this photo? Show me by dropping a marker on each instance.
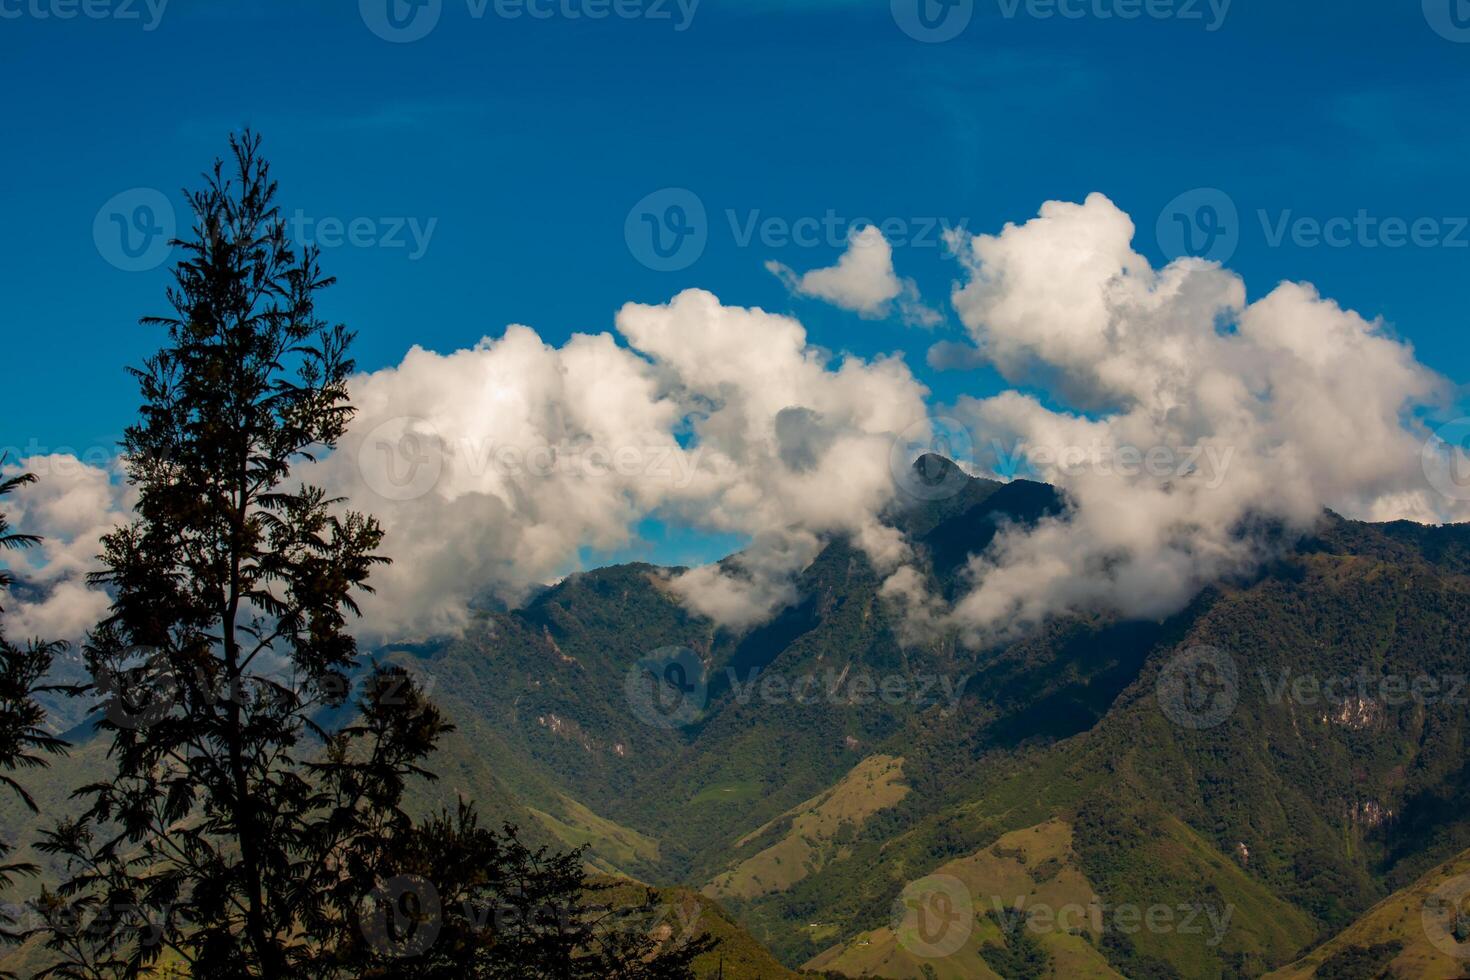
(243, 832)
(24, 741)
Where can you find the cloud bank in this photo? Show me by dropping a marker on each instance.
(72, 503)
(492, 468)
(1195, 414)
(1178, 418)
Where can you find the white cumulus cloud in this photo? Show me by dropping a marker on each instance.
(491, 468)
(1178, 417)
(70, 506)
(862, 281)
(1193, 413)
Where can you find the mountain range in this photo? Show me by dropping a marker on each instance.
(1274, 778)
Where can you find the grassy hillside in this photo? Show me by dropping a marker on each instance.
(808, 835)
(1422, 931)
(685, 915)
(1016, 887)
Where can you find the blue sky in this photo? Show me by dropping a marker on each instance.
(517, 147)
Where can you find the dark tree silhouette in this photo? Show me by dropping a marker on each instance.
(242, 832)
(24, 743)
(226, 633)
(469, 903)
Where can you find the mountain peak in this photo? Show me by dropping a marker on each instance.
(933, 468)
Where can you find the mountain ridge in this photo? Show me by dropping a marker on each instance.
(1297, 819)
